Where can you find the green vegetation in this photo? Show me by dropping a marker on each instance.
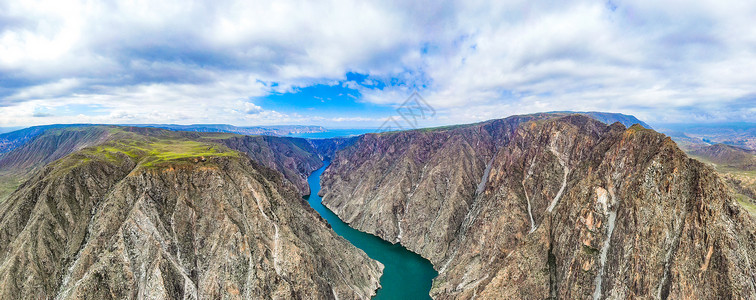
(442, 128)
(638, 128)
(152, 148)
(147, 147)
(738, 180)
(8, 184)
(590, 250)
(152, 152)
(165, 151)
(746, 203)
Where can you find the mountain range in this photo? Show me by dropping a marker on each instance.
(554, 205)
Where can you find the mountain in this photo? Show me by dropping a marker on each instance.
(150, 213)
(741, 135)
(15, 139)
(295, 158)
(609, 118)
(9, 129)
(737, 166)
(549, 206)
(728, 156)
(42, 146)
(279, 130)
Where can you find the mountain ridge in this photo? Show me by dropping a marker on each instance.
(547, 201)
(151, 216)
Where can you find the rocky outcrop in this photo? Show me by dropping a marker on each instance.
(549, 206)
(295, 158)
(102, 223)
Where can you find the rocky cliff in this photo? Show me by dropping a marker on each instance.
(14, 139)
(167, 217)
(295, 158)
(549, 206)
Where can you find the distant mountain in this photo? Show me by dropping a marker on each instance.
(729, 156)
(14, 139)
(279, 130)
(735, 165)
(9, 129)
(742, 135)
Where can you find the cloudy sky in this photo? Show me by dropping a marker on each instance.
(343, 63)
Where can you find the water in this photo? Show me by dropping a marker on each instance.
(406, 275)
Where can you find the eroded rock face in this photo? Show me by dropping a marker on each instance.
(295, 158)
(537, 207)
(225, 227)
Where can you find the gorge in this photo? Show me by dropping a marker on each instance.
(555, 205)
(406, 275)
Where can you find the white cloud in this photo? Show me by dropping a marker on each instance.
(201, 61)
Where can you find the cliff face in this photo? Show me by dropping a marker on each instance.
(170, 219)
(549, 206)
(327, 148)
(295, 158)
(37, 146)
(51, 145)
(15, 139)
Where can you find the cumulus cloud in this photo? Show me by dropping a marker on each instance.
(210, 61)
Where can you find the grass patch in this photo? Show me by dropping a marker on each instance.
(590, 250)
(746, 203)
(8, 184)
(638, 128)
(165, 151)
(151, 151)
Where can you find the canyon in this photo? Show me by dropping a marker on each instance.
(146, 213)
(550, 205)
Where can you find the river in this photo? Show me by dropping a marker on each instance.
(406, 275)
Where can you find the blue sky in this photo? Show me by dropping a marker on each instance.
(344, 64)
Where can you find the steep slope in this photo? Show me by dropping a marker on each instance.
(549, 206)
(295, 158)
(51, 145)
(728, 156)
(737, 166)
(327, 148)
(170, 218)
(45, 144)
(14, 139)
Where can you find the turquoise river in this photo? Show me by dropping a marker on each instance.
(406, 275)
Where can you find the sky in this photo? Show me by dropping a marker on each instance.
(352, 64)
